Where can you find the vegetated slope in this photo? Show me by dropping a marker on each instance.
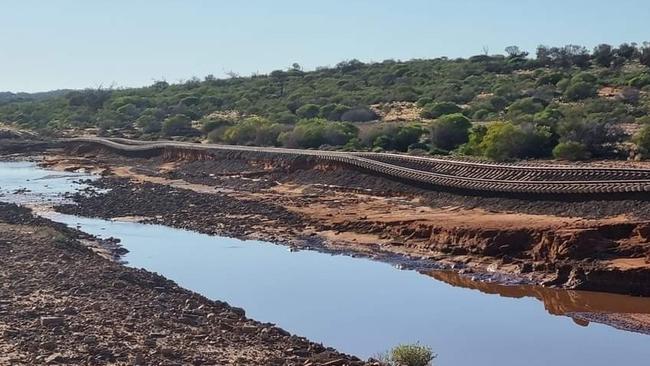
(9, 97)
(567, 101)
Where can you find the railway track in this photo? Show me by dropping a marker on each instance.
(448, 173)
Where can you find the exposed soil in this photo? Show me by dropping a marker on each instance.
(572, 243)
(591, 245)
(60, 303)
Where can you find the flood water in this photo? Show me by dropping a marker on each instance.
(363, 307)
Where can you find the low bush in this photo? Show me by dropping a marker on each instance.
(436, 110)
(506, 141)
(450, 131)
(313, 133)
(571, 150)
(359, 115)
(412, 355)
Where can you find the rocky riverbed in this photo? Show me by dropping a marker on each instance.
(61, 303)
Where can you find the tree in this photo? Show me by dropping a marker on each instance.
(603, 55)
(543, 55)
(644, 54)
(280, 78)
(626, 51)
(515, 52)
(450, 131)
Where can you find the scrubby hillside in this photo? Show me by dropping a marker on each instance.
(563, 101)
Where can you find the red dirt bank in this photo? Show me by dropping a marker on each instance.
(590, 245)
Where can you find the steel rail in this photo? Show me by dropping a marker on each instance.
(463, 175)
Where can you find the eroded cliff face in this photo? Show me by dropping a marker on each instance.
(607, 257)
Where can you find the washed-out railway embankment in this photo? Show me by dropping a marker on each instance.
(448, 174)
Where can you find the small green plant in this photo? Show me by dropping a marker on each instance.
(408, 355)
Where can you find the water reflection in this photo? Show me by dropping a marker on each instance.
(556, 301)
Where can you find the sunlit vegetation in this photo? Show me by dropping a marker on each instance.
(408, 355)
(564, 102)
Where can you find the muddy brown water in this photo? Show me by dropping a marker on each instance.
(361, 306)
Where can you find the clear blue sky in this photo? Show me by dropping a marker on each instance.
(51, 44)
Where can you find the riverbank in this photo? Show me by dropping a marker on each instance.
(61, 303)
(572, 243)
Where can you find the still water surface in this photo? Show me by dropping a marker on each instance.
(360, 306)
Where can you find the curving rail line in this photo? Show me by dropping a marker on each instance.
(454, 174)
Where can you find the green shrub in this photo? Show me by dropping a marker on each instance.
(584, 77)
(571, 150)
(178, 125)
(580, 90)
(210, 124)
(481, 114)
(439, 109)
(412, 355)
(525, 106)
(308, 111)
(359, 115)
(392, 136)
(597, 133)
(450, 131)
(253, 131)
(333, 112)
(286, 118)
(505, 141)
(216, 135)
(313, 133)
(640, 81)
(548, 117)
(148, 124)
(423, 101)
(645, 120)
(473, 145)
(550, 78)
(642, 141)
(190, 101)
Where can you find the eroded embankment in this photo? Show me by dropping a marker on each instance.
(574, 243)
